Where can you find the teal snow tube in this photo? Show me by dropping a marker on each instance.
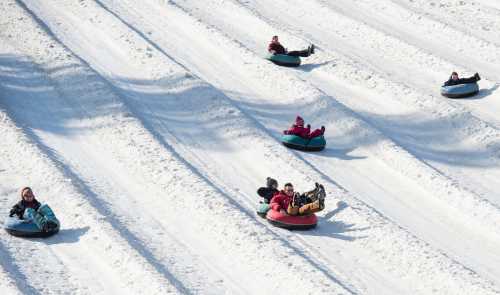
(40, 224)
(262, 209)
(460, 90)
(317, 143)
(284, 60)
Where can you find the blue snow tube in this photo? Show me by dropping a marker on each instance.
(36, 224)
(317, 143)
(284, 60)
(460, 90)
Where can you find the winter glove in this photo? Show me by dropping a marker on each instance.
(15, 211)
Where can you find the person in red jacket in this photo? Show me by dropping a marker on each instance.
(281, 201)
(275, 47)
(304, 132)
(284, 202)
(298, 128)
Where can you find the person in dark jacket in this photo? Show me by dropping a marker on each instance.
(27, 201)
(275, 47)
(269, 191)
(35, 211)
(455, 80)
(304, 132)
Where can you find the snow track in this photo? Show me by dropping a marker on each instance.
(148, 127)
(164, 25)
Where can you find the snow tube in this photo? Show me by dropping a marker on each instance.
(284, 60)
(460, 90)
(262, 209)
(33, 223)
(291, 222)
(296, 142)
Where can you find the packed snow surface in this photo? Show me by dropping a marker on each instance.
(149, 125)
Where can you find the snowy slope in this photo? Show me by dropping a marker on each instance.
(148, 125)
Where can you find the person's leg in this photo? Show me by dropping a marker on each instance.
(29, 214)
(472, 79)
(292, 210)
(302, 53)
(35, 217)
(310, 208)
(48, 219)
(316, 133)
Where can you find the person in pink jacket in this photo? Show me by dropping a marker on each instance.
(304, 132)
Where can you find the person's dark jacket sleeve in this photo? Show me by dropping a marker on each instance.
(277, 48)
(267, 193)
(449, 82)
(18, 210)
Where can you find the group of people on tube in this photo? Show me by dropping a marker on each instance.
(287, 201)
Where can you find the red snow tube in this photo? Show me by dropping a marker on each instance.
(279, 219)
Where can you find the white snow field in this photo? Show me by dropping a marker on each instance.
(149, 125)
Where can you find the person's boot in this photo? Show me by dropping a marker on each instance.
(312, 48)
(296, 200)
(51, 226)
(321, 201)
(322, 130)
(476, 75)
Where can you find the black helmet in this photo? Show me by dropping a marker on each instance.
(270, 182)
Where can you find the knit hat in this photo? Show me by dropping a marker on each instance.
(270, 182)
(299, 121)
(288, 184)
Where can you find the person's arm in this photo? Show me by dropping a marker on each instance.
(275, 203)
(16, 210)
(262, 191)
(271, 48)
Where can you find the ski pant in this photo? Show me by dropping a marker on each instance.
(304, 209)
(467, 80)
(41, 216)
(302, 53)
(315, 133)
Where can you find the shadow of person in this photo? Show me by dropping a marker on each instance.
(342, 154)
(66, 236)
(310, 67)
(485, 92)
(341, 205)
(482, 93)
(336, 229)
